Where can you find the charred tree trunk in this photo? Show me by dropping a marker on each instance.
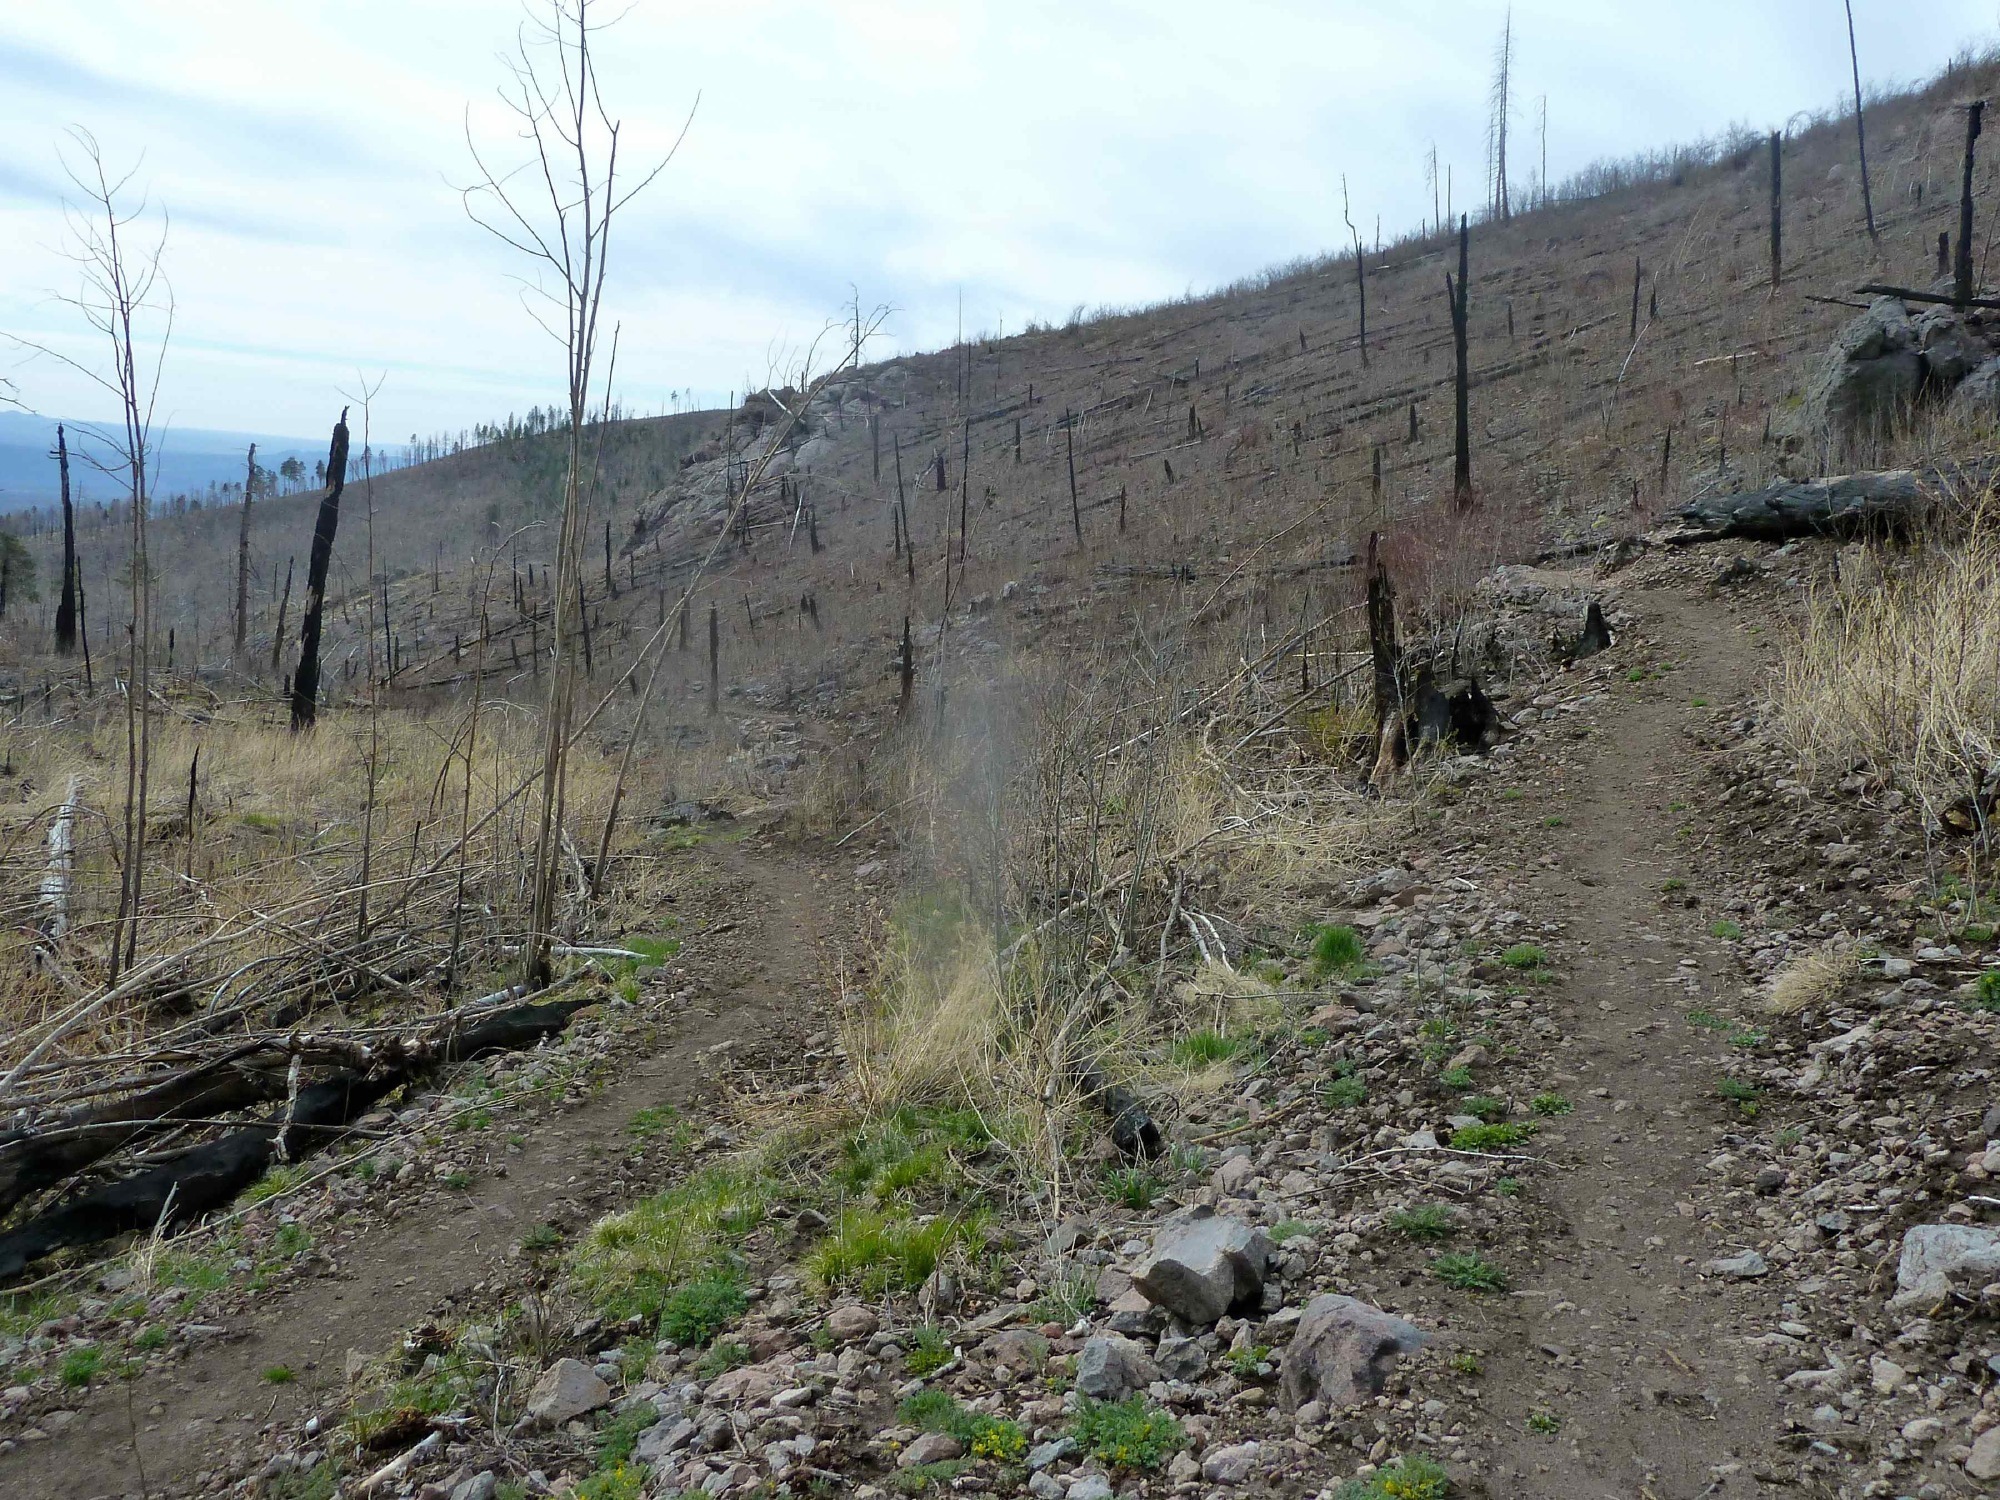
(284, 602)
(714, 661)
(1962, 272)
(1860, 128)
(906, 671)
(1461, 470)
(305, 682)
(66, 604)
(1075, 510)
(243, 553)
(1387, 667)
(1892, 501)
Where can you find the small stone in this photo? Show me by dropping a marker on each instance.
(931, 1448)
(1110, 1368)
(1984, 1461)
(1341, 1353)
(1090, 1487)
(1768, 1181)
(852, 1323)
(1203, 1265)
(479, 1487)
(1745, 1267)
(1938, 1257)
(1886, 1375)
(1231, 1465)
(567, 1390)
(1045, 1486)
(1044, 1454)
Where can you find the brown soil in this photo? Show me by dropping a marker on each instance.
(1614, 1330)
(208, 1413)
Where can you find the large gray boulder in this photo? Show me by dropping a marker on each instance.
(1939, 1259)
(1951, 348)
(1202, 1266)
(1110, 1368)
(1868, 379)
(1341, 1353)
(1978, 395)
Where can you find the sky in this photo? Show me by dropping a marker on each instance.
(945, 159)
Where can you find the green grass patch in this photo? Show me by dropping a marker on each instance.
(1134, 1187)
(1467, 1272)
(1201, 1048)
(660, 1121)
(618, 1438)
(1489, 1137)
(1488, 1107)
(1524, 956)
(79, 1367)
(916, 1147)
(1724, 928)
(280, 1375)
(622, 1481)
(1336, 950)
(1128, 1434)
(1290, 1229)
(631, 1263)
(876, 1252)
(1550, 1105)
(1427, 1221)
(272, 1183)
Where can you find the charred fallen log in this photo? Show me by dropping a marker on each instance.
(1888, 502)
(208, 1176)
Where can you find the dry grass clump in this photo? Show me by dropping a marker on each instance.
(1902, 674)
(1814, 978)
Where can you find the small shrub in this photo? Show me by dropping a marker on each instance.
(1524, 956)
(1467, 1272)
(1428, 1221)
(723, 1356)
(1289, 1229)
(1550, 1105)
(280, 1375)
(1545, 1422)
(617, 1438)
(1986, 993)
(541, 1239)
(80, 1366)
(1336, 950)
(1344, 1093)
(1489, 1137)
(152, 1338)
(619, 1482)
(1463, 1364)
(1508, 1187)
(1128, 1434)
(1069, 1299)
(984, 1437)
(291, 1240)
(930, 1350)
(1486, 1106)
(1459, 1078)
(1410, 1478)
(696, 1313)
(1743, 1095)
(1724, 928)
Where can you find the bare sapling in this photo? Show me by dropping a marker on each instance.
(553, 98)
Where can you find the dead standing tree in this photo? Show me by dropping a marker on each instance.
(243, 552)
(1860, 128)
(1360, 269)
(1501, 105)
(1455, 294)
(123, 291)
(1962, 272)
(66, 603)
(1777, 210)
(305, 681)
(564, 231)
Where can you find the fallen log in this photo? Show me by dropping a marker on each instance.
(1894, 500)
(210, 1176)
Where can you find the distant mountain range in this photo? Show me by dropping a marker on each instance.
(189, 459)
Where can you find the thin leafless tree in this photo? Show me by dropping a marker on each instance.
(1500, 104)
(557, 207)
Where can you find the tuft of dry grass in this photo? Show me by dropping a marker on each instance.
(1898, 669)
(1815, 978)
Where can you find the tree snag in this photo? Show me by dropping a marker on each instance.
(305, 681)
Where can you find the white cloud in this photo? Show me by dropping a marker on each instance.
(1032, 155)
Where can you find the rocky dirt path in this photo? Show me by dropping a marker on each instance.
(172, 1433)
(1625, 1334)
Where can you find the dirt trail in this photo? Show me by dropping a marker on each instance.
(1621, 1336)
(216, 1400)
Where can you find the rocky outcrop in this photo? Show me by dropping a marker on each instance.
(1881, 366)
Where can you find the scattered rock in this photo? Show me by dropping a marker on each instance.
(566, 1390)
(1110, 1368)
(1202, 1266)
(1939, 1257)
(852, 1323)
(931, 1448)
(1984, 1461)
(1231, 1465)
(1745, 1267)
(1342, 1351)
